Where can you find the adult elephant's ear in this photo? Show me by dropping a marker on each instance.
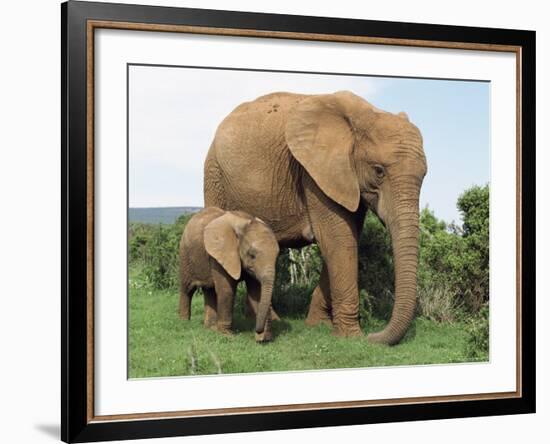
(319, 136)
(221, 240)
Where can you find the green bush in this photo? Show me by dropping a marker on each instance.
(298, 267)
(455, 259)
(293, 301)
(297, 274)
(474, 207)
(156, 248)
(366, 309)
(138, 237)
(438, 303)
(161, 260)
(477, 329)
(376, 267)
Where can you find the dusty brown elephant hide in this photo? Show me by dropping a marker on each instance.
(217, 250)
(311, 166)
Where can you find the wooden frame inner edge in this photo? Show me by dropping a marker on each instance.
(298, 36)
(90, 28)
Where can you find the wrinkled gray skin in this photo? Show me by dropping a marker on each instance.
(217, 250)
(311, 166)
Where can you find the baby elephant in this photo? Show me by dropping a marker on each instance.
(217, 250)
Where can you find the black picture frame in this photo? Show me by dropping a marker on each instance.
(76, 423)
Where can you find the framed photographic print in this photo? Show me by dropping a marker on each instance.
(275, 221)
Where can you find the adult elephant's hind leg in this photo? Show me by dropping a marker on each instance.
(210, 308)
(320, 307)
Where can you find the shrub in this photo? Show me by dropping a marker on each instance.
(477, 329)
(456, 259)
(376, 267)
(240, 299)
(304, 266)
(297, 274)
(292, 301)
(298, 267)
(156, 247)
(160, 264)
(474, 207)
(138, 237)
(442, 260)
(366, 309)
(438, 303)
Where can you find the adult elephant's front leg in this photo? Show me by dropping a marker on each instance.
(341, 261)
(320, 308)
(336, 231)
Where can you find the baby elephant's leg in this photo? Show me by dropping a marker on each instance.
(186, 295)
(225, 288)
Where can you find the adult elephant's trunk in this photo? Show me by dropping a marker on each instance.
(404, 230)
(264, 305)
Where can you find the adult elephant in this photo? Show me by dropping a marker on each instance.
(311, 166)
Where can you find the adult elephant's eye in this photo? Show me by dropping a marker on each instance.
(379, 171)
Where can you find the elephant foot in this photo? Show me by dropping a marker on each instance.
(312, 322)
(224, 331)
(320, 311)
(348, 331)
(210, 321)
(265, 336)
(184, 316)
(317, 318)
(210, 324)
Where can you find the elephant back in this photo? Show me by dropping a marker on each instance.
(258, 124)
(249, 166)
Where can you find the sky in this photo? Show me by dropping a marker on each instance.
(174, 113)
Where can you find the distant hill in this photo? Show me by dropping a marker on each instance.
(165, 215)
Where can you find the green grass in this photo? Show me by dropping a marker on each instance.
(161, 344)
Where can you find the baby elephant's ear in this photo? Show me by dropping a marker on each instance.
(222, 243)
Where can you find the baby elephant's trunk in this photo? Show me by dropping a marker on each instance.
(264, 305)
